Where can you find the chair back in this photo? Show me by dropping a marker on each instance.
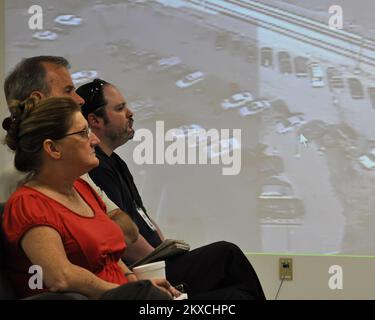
(6, 290)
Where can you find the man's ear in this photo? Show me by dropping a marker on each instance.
(94, 121)
(37, 94)
(52, 149)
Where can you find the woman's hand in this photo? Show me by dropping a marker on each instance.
(132, 277)
(165, 286)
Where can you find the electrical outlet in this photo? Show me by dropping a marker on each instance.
(286, 269)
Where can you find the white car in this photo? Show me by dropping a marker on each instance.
(165, 63)
(169, 62)
(368, 161)
(317, 83)
(254, 107)
(80, 77)
(316, 74)
(190, 79)
(145, 109)
(188, 130)
(68, 20)
(276, 192)
(45, 35)
(140, 105)
(221, 147)
(289, 124)
(237, 100)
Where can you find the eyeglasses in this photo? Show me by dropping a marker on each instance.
(85, 133)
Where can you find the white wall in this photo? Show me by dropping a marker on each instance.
(5, 154)
(311, 277)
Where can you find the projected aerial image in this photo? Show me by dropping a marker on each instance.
(299, 86)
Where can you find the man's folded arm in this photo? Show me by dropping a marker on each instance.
(138, 250)
(128, 227)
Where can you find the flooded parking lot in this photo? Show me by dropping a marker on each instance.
(302, 187)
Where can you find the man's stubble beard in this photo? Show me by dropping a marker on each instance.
(120, 138)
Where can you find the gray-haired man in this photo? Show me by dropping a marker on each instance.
(47, 76)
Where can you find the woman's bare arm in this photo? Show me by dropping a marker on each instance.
(43, 246)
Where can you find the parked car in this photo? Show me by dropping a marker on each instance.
(371, 94)
(254, 107)
(266, 57)
(269, 165)
(45, 35)
(144, 109)
(252, 53)
(316, 75)
(356, 88)
(221, 40)
(280, 211)
(190, 79)
(285, 66)
(83, 76)
(340, 136)
(300, 66)
(277, 204)
(368, 160)
(222, 146)
(237, 100)
(68, 20)
(185, 131)
(314, 129)
(264, 160)
(288, 124)
(165, 63)
(334, 77)
(280, 108)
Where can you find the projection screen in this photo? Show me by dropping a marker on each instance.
(286, 87)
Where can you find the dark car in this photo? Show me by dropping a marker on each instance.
(341, 136)
(276, 203)
(280, 211)
(285, 66)
(335, 80)
(301, 66)
(371, 94)
(280, 108)
(269, 165)
(252, 53)
(266, 57)
(221, 40)
(314, 129)
(356, 88)
(332, 136)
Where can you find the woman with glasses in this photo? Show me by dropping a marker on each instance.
(55, 220)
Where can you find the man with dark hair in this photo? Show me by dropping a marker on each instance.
(47, 76)
(216, 271)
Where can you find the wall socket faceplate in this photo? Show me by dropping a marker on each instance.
(286, 269)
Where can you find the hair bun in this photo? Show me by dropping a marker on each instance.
(7, 122)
